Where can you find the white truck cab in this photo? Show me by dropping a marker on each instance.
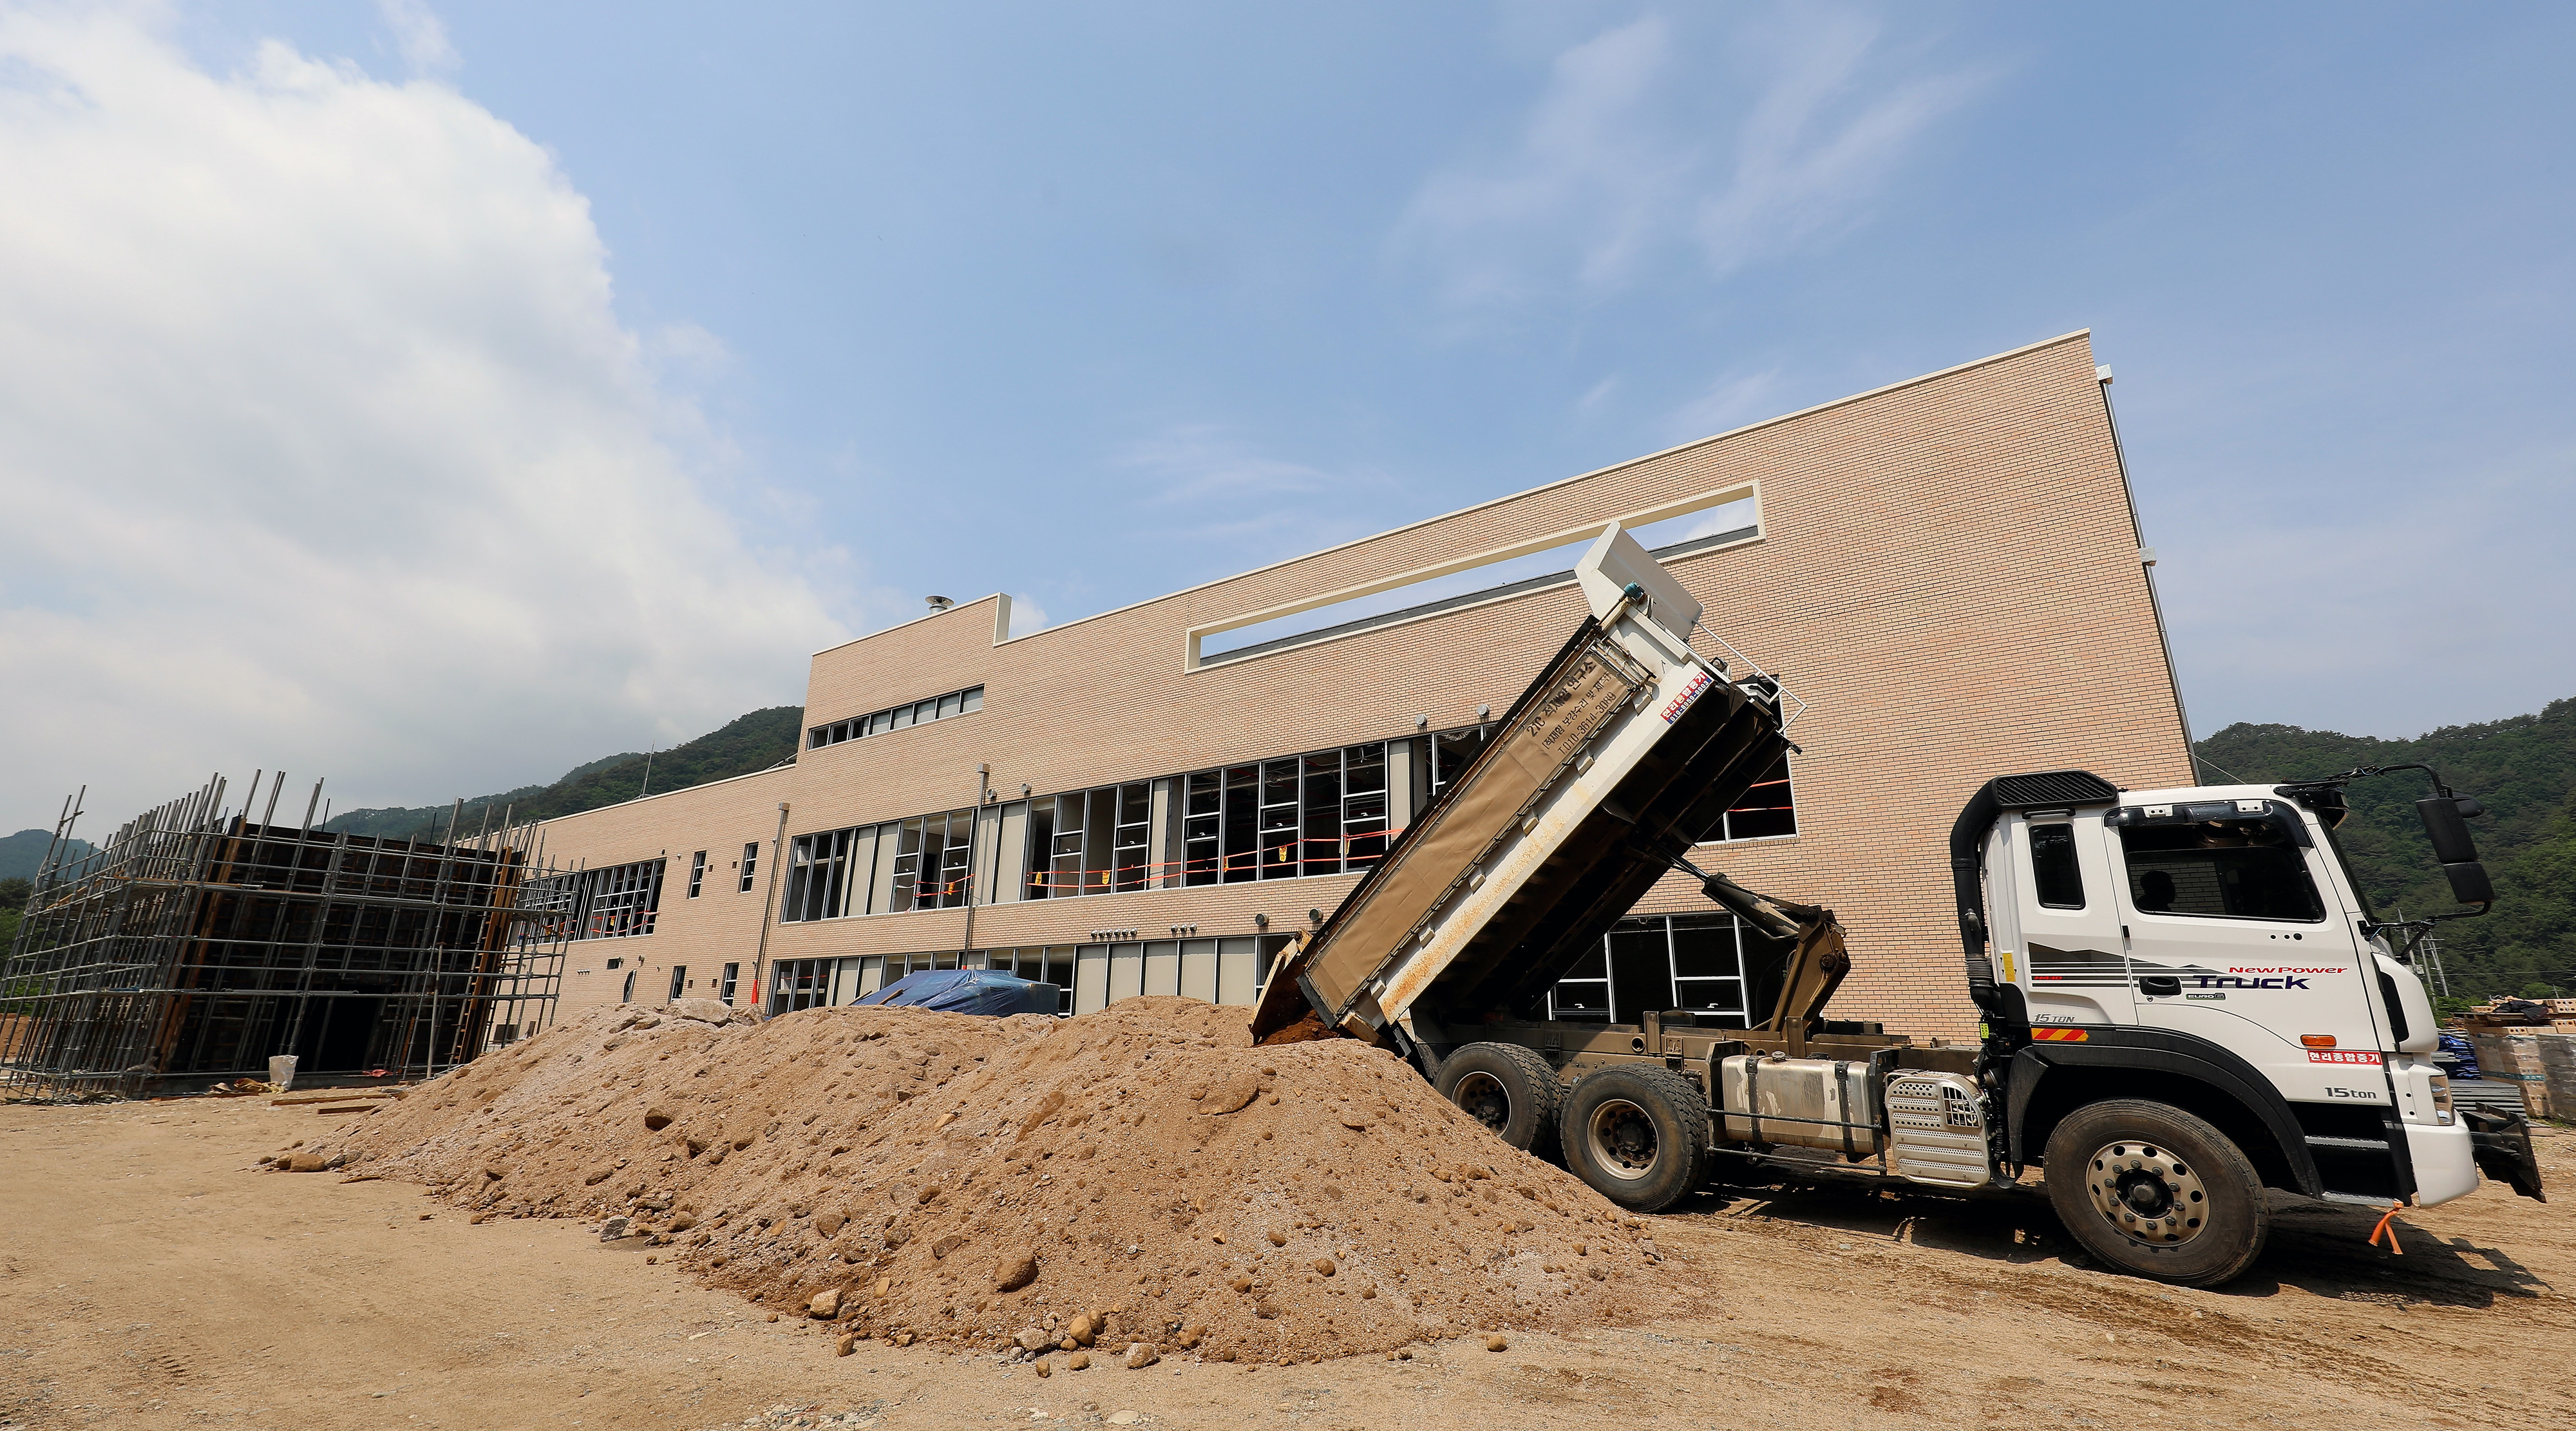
(2220, 926)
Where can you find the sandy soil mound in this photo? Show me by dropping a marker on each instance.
(1139, 1174)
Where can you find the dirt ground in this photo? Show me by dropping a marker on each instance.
(150, 1278)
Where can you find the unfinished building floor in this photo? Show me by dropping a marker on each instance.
(153, 1279)
(200, 941)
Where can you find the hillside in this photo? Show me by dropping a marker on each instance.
(746, 744)
(22, 852)
(2523, 768)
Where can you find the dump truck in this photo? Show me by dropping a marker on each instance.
(2185, 996)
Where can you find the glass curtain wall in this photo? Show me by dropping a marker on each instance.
(920, 863)
(1318, 814)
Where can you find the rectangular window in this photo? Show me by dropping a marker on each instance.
(612, 902)
(1767, 811)
(1202, 813)
(1131, 863)
(732, 978)
(2224, 869)
(679, 980)
(2054, 869)
(896, 718)
(800, 984)
(750, 862)
(697, 872)
(1583, 995)
(1450, 752)
(1671, 963)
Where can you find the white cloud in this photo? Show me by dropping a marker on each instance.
(322, 444)
(1806, 161)
(1635, 155)
(1210, 490)
(1579, 199)
(419, 35)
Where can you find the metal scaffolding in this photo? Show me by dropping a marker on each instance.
(198, 942)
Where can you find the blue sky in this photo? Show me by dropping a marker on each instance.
(832, 307)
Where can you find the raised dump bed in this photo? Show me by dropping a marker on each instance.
(1625, 751)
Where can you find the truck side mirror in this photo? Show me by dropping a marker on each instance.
(2469, 883)
(2449, 832)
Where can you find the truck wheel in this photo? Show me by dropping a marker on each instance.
(1507, 1088)
(2156, 1191)
(1638, 1135)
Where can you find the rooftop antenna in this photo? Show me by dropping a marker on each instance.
(649, 748)
(939, 604)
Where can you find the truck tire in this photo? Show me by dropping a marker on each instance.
(1638, 1135)
(2157, 1192)
(1509, 1089)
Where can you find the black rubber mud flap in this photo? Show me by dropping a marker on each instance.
(2503, 1147)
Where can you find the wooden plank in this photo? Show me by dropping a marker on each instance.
(337, 1095)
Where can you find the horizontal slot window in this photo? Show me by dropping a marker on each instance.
(921, 712)
(1673, 537)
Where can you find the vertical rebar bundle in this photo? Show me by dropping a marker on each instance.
(199, 941)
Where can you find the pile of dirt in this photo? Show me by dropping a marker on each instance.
(1138, 1174)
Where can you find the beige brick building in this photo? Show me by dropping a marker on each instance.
(1946, 571)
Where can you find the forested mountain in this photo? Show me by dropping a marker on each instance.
(2523, 769)
(22, 852)
(748, 743)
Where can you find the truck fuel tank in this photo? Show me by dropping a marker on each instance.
(1827, 1103)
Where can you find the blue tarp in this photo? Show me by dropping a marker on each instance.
(2464, 1055)
(967, 991)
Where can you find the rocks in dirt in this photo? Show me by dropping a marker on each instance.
(706, 1011)
(827, 1223)
(1034, 1339)
(1141, 1355)
(1498, 1342)
(657, 1119)
(1083, 1330)
(1232, 1094)
(307, 1163)
(614, 1228)
(823, 1306)
(1014, 1271)
(1046, 1369)
(1079, 1361)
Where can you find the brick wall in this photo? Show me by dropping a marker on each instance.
(1947, 574)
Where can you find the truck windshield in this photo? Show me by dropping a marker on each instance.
(2227, 869)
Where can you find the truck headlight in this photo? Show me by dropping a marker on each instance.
(2442, 1099)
